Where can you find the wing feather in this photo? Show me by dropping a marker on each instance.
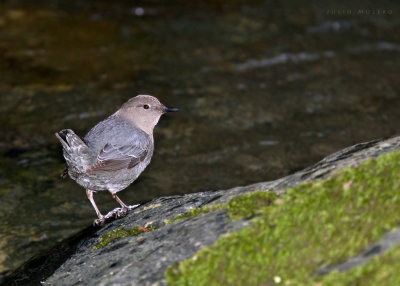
(114, 157)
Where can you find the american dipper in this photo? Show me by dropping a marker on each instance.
(115, 151)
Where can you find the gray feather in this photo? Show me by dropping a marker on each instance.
(111, 155)
(75, 151)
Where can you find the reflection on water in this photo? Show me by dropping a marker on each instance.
(264, 90)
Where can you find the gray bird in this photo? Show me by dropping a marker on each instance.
(114, 152)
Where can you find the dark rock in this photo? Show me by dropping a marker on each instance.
(387, 241)
(142, 259)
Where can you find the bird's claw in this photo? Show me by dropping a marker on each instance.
(99, 221)
(115, 213)
(120, 212)
(112, 214)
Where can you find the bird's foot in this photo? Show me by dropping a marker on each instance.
(120, 212)
(115, 213)
(100, 221)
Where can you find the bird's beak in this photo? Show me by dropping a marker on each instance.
(170, 109)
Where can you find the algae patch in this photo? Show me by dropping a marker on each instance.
(241, 206)
(315, 224)
(249, 205)
(194, 213)
(120, 232)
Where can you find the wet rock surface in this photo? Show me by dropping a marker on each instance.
(142, 259)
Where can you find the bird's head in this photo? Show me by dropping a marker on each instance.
(144, 111)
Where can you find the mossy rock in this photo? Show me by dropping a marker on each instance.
(239, 207)
(313, 225)
(121, 232)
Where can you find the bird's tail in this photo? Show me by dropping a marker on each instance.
(74, 149)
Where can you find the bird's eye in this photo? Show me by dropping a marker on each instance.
(146, 106)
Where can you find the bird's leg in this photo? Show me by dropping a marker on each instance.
(101, 219)
(123, 205)
(124, 208)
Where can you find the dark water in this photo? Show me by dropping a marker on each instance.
(265, 88)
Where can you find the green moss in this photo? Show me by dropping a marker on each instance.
(120, 232)
(313, 225)
(249, 205)
(194, 212)
(241, 206)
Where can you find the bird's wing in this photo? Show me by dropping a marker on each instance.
(116, 156)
